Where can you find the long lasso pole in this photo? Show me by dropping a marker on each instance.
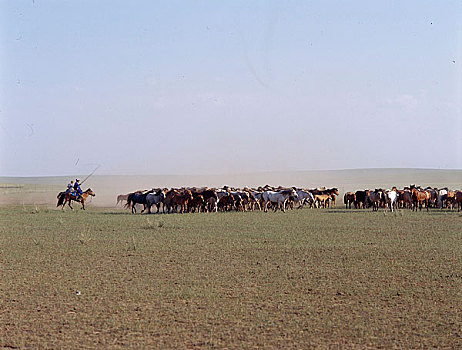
(90, 174)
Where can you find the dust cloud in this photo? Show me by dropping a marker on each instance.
(43, 190)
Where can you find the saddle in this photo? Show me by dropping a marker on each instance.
(75, 195)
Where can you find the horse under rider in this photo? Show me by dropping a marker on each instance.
(70, 187)
(78, 190)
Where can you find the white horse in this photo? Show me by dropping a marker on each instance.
(391, 196)
(305, 196)
(442, 195)
(279, 198)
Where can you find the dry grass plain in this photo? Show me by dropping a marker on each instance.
(308, 278)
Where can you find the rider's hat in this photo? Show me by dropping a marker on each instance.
(77, 180)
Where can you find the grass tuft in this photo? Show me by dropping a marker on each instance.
(85, 236)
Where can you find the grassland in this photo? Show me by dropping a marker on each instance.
(307, 278)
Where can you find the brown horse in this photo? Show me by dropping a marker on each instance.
(348, 199)
(458, 200)
(182, 200)
(197, 203)
(64, 197)
(375, 197)
(451, 199)
(405, 198)
(168, 200)
(419, 197)
(322, 200)
(333, 193)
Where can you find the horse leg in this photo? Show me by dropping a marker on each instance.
(276, 207)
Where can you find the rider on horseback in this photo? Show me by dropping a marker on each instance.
(78, 190)
(70, 187)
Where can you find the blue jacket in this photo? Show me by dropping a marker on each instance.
(77, 188)
(70, 188)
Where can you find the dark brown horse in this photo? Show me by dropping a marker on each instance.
(182, 200)
(64, 197)
(458, 200)
(348, 199)
(138, 197)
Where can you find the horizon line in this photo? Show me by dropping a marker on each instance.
(236, 174)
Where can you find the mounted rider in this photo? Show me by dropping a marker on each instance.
(70, 188)
(77, 189)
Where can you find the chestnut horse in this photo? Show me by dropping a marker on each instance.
(418, 198)
(64, 197)
(182, 200)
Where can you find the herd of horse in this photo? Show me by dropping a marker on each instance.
(182, 200)
(412, 197)
(205, 199)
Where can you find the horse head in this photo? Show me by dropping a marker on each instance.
(294, 194)
(90, 192)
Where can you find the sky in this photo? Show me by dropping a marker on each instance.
(217, 87)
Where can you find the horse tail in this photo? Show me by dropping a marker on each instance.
(129, 200)
(61, 197)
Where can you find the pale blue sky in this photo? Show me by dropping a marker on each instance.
(212, 87)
